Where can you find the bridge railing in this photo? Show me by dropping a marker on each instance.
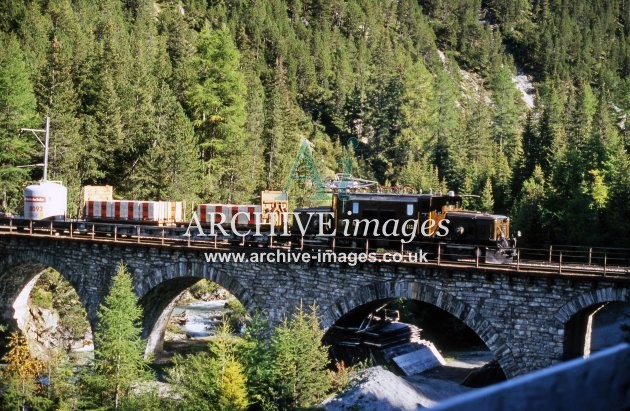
(552, 259)
(559, 259)
(588, 256)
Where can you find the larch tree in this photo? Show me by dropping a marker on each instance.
(255, 355)
(506, 115)
(447, 129)
(218, 105)
(281, 131)
(20, 390)
(212, 380)
(486, 202)
(417, 133)
(58, 99)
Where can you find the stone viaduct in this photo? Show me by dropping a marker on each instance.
(522, 318)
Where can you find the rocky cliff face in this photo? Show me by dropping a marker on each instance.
(45, 333)
(52, 317)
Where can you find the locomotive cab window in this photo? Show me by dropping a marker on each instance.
(424, 207)
(452, 205)
(355, 208)
(409, 209)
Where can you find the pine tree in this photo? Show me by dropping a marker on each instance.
(529, 209)
(115, 144)
(61, 388)
(256, 356)
(17, 109)
(385, 151)
(119, 361)
(486, 202)
(212, 381)
(195, 377)
(300, 360)
(281, 134)
(231, 381)
(34, 37)
(170, 169)
(419, 114)
(58, 99)
(447, 130)
(507, 109)
(255, 124)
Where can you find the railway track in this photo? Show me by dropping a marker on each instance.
(566, 261)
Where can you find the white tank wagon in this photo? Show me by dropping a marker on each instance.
(146, 212)
(46, 200)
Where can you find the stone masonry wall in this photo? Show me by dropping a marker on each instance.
(520, 318)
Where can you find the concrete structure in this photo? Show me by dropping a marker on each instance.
(521, 318)
(598, 383)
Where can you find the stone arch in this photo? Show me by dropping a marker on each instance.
(431, 295)
(158, 291)
(588, 299)
(19, 276)
(85, 275)
(16, 284)
(573, 317)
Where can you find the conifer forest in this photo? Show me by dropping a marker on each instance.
(209, 100)
(521, 106)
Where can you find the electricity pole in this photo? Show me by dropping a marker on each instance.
(44, 143)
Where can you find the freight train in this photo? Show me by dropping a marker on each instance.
(354, 220)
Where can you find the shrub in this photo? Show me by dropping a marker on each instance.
(236, 314)
(203, 287)
(41, 298)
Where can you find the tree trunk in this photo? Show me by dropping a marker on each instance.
(117, 382)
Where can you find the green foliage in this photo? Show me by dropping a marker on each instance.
(255, 355)
(17, 109)
(301, 360)
(54, 291)
(528, 211)
(61, 389)
(211, 381)
(287, 368)
(218, 105)
(41, 298)
(203, 287)
(170, 169)
(236, 314)
(195, 376)
(20, 389)
(119, 361)
(486, 203)
(147, 400)
(209, 100)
